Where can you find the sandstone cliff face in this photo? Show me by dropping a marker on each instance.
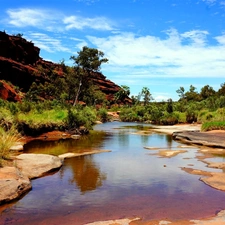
(20, 65)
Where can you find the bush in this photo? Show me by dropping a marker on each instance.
(169, 119)
(191, 115)
(103, 115)
(129, 115)
(76, 118)
(7, 140)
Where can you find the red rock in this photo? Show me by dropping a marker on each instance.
(21, 65)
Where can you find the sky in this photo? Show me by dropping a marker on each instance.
(159, 44)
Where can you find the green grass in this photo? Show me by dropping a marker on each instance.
(213, 125)
(48, 117)
(7, 140)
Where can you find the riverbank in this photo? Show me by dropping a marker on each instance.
(17, 173)
(215, 220)
(211, 142)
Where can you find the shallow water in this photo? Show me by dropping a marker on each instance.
(129, 181)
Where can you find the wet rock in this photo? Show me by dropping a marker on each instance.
(170, 153)
(13, 184)
(37, 165)
(114, 222)
(71, 155)
(216, 180)
(201, 138)
(17, 148)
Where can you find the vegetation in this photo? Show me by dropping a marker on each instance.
(54, 104)
(7, 139)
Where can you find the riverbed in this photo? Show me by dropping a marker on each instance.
(133, 180)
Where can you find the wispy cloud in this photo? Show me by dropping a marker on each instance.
(39, 18)
(97, 23)
(210, 2)
(149, 56)
(54, 21)
(88, 2)
(47, 43)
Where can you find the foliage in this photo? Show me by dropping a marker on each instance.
(169, 107)
(76, 118)
(213, 125)
(147, 96)
(123, 93)
(88, 60)
(8, 138)
(103, 115)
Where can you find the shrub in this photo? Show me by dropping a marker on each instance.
(7, 140)
(169, 119)
(103, 115)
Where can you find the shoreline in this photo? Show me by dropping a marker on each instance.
(170, 130)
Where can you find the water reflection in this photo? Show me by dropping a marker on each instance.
(85, 143)
(85, 173)
(129, 181)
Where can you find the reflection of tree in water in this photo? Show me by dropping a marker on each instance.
(86, 173)
(169, 139)
(85, 143)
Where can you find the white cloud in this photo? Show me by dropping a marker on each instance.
(97, 23)
(221, 39)
(88, 2)
(210, 2)
(47, 43)
(197, 37)
(149, 56)
(55, 21)
(38, 18)
(81, 42)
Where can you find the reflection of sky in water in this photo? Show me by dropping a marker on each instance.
(113, 181)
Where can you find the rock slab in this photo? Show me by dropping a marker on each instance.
(37, 165)
(13, 184)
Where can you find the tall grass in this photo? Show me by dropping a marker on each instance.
(7, 140)
(213, 125)
(35, 119)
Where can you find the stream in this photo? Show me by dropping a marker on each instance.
(130, 181)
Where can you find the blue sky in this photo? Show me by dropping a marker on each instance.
(159, 44)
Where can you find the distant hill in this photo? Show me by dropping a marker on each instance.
(20, 66)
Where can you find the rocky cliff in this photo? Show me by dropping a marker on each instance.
(20, 66)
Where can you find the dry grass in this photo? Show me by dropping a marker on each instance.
(7, 140)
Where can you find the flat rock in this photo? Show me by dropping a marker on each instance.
(13, 184)
(216, 180)
(37, 165)
(170, 153)
(215, 139)
(71, 154)
(114, 222)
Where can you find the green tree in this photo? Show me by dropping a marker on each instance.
(221, 91)
(192, 94)
(169, 107)
(147, 96)
(87, 61)
(207, 92)
(181, 92)
(123, 93)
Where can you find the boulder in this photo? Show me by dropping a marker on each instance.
(37, 165)
(13, 184)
